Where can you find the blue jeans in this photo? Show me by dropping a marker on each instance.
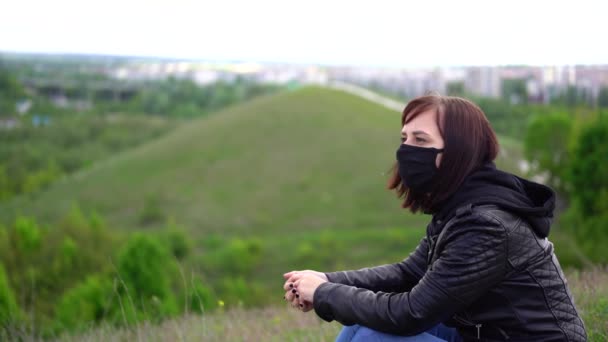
(358, 333)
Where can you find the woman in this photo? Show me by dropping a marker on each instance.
(484, 271)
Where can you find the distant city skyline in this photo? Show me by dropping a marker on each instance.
(378, 34)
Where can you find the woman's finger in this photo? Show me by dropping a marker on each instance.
(295, 302)
(288, 285)
(306, 306)
(289, 274)
(289, 296)
(294, 277)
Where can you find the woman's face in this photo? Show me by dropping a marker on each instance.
(422, 131)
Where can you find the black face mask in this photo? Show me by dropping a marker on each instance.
(417, 167)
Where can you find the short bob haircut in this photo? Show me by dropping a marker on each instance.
(469, 143)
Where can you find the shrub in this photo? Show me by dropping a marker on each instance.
(177, 240)
(200, 298)
(237, 257)
(146, 270)
(85, 304)
(587, 218)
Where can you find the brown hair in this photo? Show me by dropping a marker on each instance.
(469, 142)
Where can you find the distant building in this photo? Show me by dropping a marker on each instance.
(484, 81)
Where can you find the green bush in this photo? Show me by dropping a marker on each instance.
(85, 304)
(145, 270)
(589, 170)
(237, 257)
(546, 147)
(200, 298)
(177, 240)
(587, 218)
(42, 262)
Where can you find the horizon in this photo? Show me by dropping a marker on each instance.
(270, 62)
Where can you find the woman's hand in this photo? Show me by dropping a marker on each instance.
(288, 275)
(298, 281)
(306, 285)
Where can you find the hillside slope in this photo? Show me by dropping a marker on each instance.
(309, 159)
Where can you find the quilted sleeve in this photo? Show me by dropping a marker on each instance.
(397, 277)
(473, 260)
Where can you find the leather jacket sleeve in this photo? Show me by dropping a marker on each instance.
(397, 277)
(472, 260)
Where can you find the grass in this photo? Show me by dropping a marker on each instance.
(282, 323)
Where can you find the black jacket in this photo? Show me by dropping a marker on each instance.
(485, 267)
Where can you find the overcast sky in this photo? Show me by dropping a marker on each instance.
(376, 33)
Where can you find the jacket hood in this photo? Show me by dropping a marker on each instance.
(531, 201)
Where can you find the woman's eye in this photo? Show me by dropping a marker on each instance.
(420, 140)
(403, 139)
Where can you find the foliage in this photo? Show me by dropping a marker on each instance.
(590, 167)
(200, 298)
(85, 304)
(182, 98)
(235, 257)
(455, 88)
(43, 262)
(514, 91)
(572, 96)
(587, 219)
(10, 91)
(546, 146)
(31, 157)
(177, 239)
(143, 265)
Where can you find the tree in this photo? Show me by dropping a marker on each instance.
(587, 218)
(455, 88)
(546, 147)
(515, 91)
(145, 269)
(589, 168)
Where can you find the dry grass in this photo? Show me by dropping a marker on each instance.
(281, 323)
(263, 324)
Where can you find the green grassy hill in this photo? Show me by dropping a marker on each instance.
(305, 160)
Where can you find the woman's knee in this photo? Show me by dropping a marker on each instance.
(347, 333)
(358, 333)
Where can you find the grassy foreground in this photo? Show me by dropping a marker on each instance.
(282, 323)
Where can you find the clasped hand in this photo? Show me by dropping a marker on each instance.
(300, 288)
